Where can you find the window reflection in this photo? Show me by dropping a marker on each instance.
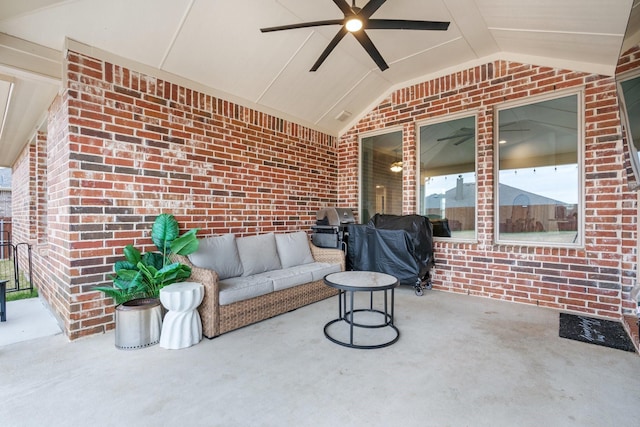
(381, 186)
(629, 93)
(538, 180)
(447, 174)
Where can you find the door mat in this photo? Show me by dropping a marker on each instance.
(595, 331)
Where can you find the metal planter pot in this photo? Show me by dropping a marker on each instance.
(138, 323)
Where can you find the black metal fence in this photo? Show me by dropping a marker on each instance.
(16, 266)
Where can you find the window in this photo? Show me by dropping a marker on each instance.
(629, 94)
(538, 189)
(381, 175)
(447, 174)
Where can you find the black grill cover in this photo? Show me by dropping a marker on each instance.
(441, 227)
(398, 245)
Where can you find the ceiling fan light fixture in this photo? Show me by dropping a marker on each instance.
(354, 24)
(396, 167)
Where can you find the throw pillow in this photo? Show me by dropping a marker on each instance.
(218, 253)
(293, 249)
(258, 253)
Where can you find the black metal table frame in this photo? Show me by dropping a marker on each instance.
(348, 316)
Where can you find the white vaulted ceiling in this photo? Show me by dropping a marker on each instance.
(217, 45)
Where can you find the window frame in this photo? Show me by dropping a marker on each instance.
(475, 113)
(634, 153)
(580, 148)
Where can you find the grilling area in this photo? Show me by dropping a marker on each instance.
(331, 228)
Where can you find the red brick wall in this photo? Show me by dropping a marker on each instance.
(124, 147)
(22, 195)
(29, 192)
(51, 262)
(40, 174)
(595, 279)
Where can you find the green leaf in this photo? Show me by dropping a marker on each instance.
(132, 254)
(123, 265)
(184, 272)
(127, 275)
(147, 270)
(123, 290)
(154, 259)
(186, 244)
(109, 291)
(164, 230)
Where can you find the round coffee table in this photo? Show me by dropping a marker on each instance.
(350, 282)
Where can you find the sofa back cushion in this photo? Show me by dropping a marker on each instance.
(218, 253)
(258, 253)
(293, 249)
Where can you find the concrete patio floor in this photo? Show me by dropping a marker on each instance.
(460, 361)
(27, 319)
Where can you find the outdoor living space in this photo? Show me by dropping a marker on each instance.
(459, 361)
(512, 125)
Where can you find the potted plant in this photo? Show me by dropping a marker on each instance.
(138, 280)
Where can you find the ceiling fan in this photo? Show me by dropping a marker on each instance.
(355, 21)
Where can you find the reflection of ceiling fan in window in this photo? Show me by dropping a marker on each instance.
(465, 134)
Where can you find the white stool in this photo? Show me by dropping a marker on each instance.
(181, 327)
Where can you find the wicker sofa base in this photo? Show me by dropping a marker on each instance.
(243, 313)
(218, 319)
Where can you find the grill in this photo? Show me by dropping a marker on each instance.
(330, 230)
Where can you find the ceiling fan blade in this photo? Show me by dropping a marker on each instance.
(370, 8)
(460, 135)
(403, 24)
(344, 7)
(363, 14)
(332, 44)
(303, 25)
(464, 140)
(368, 45)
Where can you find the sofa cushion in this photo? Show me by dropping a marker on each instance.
(237, 289)
(258, 253)
(319, 269)
(218, 253)
(293, 249)
(287, 277)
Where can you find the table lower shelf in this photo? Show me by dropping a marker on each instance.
(363, 329)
